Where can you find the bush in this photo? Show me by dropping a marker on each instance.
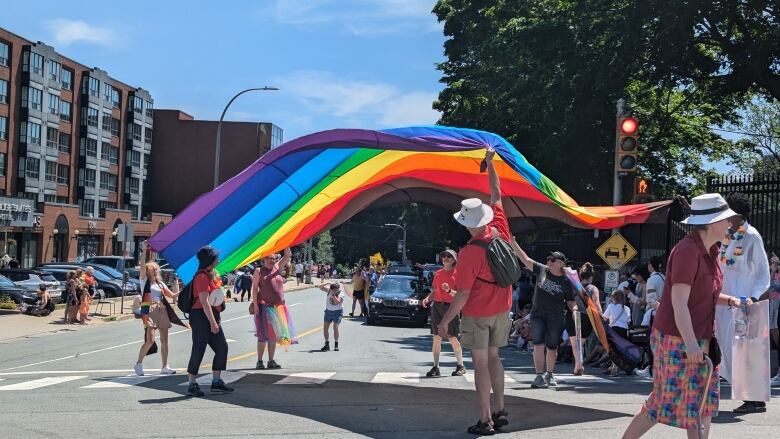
(6, 302)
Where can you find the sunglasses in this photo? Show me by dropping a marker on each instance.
(552, 259)
(446, 256)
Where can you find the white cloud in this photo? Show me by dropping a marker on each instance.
(359, 103)
(66, 32)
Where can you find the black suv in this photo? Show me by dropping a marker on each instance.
(398, 298)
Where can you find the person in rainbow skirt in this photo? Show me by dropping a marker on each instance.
(273, 321)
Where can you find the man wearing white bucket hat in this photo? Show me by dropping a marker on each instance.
(686, 391)
(484, 304)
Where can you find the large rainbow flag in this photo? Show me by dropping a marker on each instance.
(316, 182)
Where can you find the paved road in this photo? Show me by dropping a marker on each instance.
(77, 383)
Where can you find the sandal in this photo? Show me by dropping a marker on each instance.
(482, 429)
(499, 419)
(579, 371)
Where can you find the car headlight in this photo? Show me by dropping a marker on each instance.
(376, 300)
(413, 301)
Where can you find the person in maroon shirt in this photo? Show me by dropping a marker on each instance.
(485, 305)
(683, 327)
(268, 290)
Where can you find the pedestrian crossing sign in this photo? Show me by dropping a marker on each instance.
(616, 251)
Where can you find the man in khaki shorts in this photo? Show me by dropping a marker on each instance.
(485, 305)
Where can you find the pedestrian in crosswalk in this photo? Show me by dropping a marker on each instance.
(268, 292)
(334, 310)
(205, 322)
(443, 291)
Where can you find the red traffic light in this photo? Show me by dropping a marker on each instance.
(629, 126)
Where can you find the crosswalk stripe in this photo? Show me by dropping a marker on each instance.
(121, 382)
(396, 378)
(41, 382)
(470, 378)
(307, 378)
(227, 376)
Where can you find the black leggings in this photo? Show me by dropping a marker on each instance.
(202, 337)
(242, 291)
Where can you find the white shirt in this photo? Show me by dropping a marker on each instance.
(337, 307)
(616, 316)
(298, 268)
(155, 290)
(749, 275)
(655, 284)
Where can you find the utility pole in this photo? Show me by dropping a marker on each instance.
(621, 108)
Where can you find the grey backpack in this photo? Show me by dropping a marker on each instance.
(503, 261)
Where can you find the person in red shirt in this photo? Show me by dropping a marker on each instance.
(484, 304)
(205, 323)
(268, 290)
(442, 293)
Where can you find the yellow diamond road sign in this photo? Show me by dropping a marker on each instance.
(616, 251)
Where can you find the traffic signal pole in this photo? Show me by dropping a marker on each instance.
(621, 107)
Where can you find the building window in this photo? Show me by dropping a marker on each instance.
(3, 91)
(132, 185)
(51, 171)
(54, 104)
(147, 159)
(32, 98)
(5, 53)
(32, 62)
(134, 211)
(87, 177)
(105, 149)
(32, 167)
(111, 94)
(115, 127)
(108, 181)
(65, 143)
(148, 135)
(134, 131)
(52, 137)
(2, 164)
(94, 87)
(88, 147)
(63, 172)
(106, 205)
(116, 99)
(65, 109)
(106, 122)
(138, 105)
(149, 109)
(276, 136)
(133, 158)
(90, 115)
(54, 70)
(86, 207)
(113, 157)
(3, 128)
(67, 79)
(30, 133)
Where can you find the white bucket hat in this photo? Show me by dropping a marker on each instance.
(708, 209)
(473, 213)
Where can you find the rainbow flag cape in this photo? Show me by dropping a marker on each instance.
(316, 182)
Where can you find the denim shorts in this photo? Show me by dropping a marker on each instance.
(547, 328)
(333, 316)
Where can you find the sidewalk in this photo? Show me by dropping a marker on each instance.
(20, 326)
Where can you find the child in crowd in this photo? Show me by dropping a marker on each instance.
(334, 309)
(521, 329)
(652, 305)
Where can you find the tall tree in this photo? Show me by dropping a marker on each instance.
(323, 253)
(760, 148)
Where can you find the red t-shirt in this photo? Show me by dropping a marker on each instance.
(485, 298)
(691, 264)
(443, 277)
(204, 281)
(271, 286)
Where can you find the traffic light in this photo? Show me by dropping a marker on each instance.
(642, 190)
(627, 144)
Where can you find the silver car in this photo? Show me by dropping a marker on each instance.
(31, 280)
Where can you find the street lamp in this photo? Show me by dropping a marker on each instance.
(219, 128)
(403, 246)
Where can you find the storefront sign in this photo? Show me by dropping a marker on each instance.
(17, 212)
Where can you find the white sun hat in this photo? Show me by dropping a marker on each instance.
(473, 213)
(708, 209)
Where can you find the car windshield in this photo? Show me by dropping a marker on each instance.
(106, 269)
(99, 275)
(48, 278)
(392, 284)
(5, 282)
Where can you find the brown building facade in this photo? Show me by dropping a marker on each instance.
(182, 165)
(75, 150)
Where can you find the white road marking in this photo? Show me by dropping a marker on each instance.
(230, 340)
(470, 378)
(121, 382)
(227, 376)
(57, 372)
(307, 378)
(396, 377)
(294, 304)
(105, 349)
(42, 382)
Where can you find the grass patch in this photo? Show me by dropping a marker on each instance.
(6, 302)
(109, 319)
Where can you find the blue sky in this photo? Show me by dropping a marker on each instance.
(338, 63)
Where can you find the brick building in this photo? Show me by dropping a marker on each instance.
(75, 149)
(182, 165)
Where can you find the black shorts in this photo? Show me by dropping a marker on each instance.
(299, 275)
(438, 309)
(547, 328)
(358, 294)
(585, 325)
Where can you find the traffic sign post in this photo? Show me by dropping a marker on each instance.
(611, 280)
(616, 251)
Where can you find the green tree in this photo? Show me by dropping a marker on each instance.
(760, 147)
(323, 252)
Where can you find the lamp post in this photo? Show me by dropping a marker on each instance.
(403, 246)
(219, 128)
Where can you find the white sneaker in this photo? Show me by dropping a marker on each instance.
(139, 369)
(775, 380)
(167, 371)
(644, 373)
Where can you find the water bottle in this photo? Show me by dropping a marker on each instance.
(741, 320)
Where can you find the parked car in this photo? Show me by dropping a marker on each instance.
(428, 270)
(31, 280)
(400, 269)
(111, 287)
(398, 298)
(119, 263)
(16, 293)
(114, 274)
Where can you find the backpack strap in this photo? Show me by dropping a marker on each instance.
(485, 245)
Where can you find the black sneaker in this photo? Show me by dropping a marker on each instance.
(434, 372)
(259, 365)
(272, 364)
(336, 346)
(326, 347)
(194, 390)
(459, 371)
(219, 386)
